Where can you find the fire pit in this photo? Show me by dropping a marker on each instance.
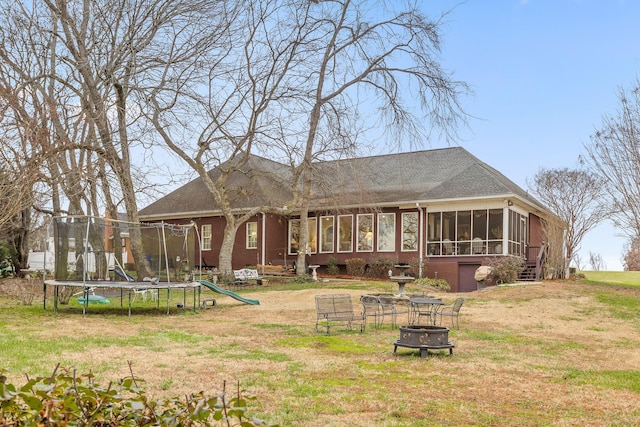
(424, 337)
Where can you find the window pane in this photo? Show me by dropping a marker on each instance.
(294, 236)
(345, 230)
(495, 224)
(479, 232)
(386, 232)
(312, 244)
(365, 232)
(206, 237)
(252, 235)
(410, 231)
(464, 225)
(326, 234)
(480, 224)
(435, 227)
(449, 225)
(448, 233)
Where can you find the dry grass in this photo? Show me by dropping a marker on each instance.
(525, 355)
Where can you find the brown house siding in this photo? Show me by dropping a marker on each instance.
(457, 271)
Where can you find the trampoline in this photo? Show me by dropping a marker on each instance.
(96, 254)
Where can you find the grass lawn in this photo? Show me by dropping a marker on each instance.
(556, 353)
(630, 278)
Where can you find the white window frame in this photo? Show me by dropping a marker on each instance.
(252, 235)
(327, 239)
(358, 239)
(350, 221)
(311, 249)
(205, 237)
(383, 239)
(415, 234)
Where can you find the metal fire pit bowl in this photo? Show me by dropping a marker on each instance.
(424, 338)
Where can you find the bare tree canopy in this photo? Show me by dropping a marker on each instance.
(214, 82)
(614, 152)
(299, 82)
(576, 197)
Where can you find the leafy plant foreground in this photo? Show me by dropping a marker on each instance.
(544, 354)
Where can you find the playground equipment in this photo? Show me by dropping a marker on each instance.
(233, 295)
(97, 254)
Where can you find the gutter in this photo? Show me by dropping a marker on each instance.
(420, 239)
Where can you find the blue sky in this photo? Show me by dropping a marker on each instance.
(544, 72)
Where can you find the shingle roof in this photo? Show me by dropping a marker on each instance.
(260, 182)
(440, 174)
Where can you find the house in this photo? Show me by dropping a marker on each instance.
(443, 206)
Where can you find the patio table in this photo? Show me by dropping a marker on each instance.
(424, 307)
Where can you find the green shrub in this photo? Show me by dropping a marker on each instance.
(300, 279)
(332, 266)
(506, 269)
(380, 266)
(356, 267)
(66, 399)
(440, 284)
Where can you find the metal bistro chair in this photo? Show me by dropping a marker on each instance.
(371, 308)
(388, 308)
(426, 309)
(452, 310)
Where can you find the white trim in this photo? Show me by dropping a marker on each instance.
(402, 215)
(246, 232)
(358, 216)
(393, 230)
(204, 236)
(321, 239)
(350, 250)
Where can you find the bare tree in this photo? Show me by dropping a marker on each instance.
(596, 261)
(553, 229)
(576, 197)
(91, 63)
(614, 152)
(285, 79)
(631, 259)
(388, 55)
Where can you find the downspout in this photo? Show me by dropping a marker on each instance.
(505, 231)
(420, 239)
(264, 243)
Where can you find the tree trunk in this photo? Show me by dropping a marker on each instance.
(21, 242)
(226, 249)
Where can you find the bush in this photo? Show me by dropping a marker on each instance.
(415, 266)
(332, 266)
(379, 267)
(440, 284)
(66, 399)
(300, 280)
(506, 269)
(356, 267)
(24, 290)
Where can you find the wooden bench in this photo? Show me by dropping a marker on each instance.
(245, 275)
(336, 308)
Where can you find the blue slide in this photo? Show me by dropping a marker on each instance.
(229, 293)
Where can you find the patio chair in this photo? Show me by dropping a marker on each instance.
(447, 247)
(371, 308)
(477, 245)
(388, 307)
(452, 310)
